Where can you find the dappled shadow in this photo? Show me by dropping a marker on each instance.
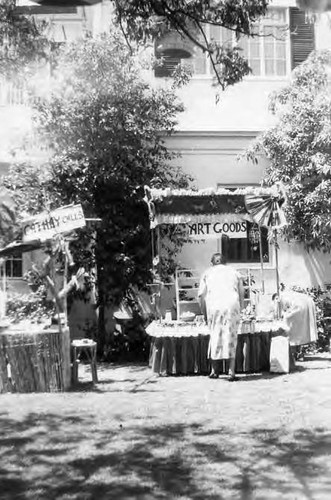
(125, 385)
(248, 377)
(85, 386)
(69, 456)
(313, 357)
(134, 367)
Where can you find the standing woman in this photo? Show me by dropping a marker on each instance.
(221, 291)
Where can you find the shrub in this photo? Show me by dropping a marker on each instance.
(35, 307)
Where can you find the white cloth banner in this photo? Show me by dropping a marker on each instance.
(47, 224)
(214, 230)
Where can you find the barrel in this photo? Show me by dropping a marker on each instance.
(34, 359)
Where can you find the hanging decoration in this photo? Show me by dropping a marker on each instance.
(267, 210)
(254, 236)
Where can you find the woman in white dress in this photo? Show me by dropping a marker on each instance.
(221, 291)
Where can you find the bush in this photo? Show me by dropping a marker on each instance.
(128, 342)
(31, 306)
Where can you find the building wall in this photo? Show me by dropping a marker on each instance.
(216, 157)
(212, 138)
(242, 107)
(323, 31)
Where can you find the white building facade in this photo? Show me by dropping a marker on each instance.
(211, 136)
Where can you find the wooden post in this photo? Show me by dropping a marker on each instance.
(158, 235)
(261, 260)
(153, 247)
(277, 272)
(65, 282)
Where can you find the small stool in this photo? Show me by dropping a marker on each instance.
(88, 347)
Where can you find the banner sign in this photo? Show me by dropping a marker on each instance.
(209, 230)
(47, 224)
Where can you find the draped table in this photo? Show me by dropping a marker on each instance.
(181, 348)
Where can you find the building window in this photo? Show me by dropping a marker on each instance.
(12, 93)
(266, 52)
(171, 50)
(247, 250)
(14, 267)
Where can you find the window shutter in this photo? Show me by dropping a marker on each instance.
(172, 48)
(302, 36)
(168, 66)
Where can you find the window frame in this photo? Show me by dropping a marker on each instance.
(11, 261)
(270, 264)
(263, 76)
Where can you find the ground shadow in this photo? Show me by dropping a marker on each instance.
(312, 357)
(51, 456)
(134, 367)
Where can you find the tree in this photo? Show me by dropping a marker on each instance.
(104, 123)
(28, 186)
(143, 21)
(22, 41)
(299, 150)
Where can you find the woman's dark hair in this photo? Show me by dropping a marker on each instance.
(217, 258)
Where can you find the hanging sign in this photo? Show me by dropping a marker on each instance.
(214, 230)
(47, 224)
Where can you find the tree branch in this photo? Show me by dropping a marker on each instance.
(122, 28)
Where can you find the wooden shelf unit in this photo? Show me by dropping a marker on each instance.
(187, 287)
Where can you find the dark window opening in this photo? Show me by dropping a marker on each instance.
(166, 66)
(170, 51)
(14, 267)
(247, 250)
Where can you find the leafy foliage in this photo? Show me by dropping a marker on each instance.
(33, 306)
(107, 148)
(28, 187)
(8, 223)
(299, 150)
(27, 190)
(143, 21)
(22, 40)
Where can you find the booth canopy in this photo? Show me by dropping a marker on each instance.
(19, 247)
(181, 206)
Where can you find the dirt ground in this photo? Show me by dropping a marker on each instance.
(135, 435)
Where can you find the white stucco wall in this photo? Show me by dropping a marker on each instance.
(301, 268)
(210, 139)
(323, 31)
(212, 158)
(242, 107)
(216, 157)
